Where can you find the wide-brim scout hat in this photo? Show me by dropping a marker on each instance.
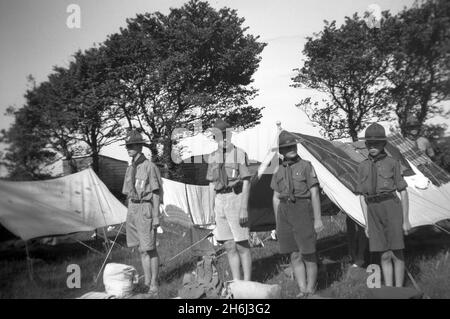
(135, 137)
(375, 132)
(286, 139)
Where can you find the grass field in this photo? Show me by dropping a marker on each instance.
(427, 259)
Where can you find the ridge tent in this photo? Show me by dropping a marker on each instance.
(336, 168)
(75, 203)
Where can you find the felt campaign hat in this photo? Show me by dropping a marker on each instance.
(135, 137)
(375, 132)
(286, 139)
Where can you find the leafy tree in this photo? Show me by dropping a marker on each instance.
(70, 112)
(418, 41)
(88, 98)
(26, 154)
(401, 68)
(345, 65)
(171, 71)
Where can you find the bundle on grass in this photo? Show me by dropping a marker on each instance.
(241, 289)
(120, 281)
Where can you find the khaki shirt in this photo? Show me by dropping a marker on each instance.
(389, 176)
(304, 178)
(148, 179)
(236, 165)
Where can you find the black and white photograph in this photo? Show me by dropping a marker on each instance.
(225, 154)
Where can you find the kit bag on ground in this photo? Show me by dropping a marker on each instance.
(120, 280)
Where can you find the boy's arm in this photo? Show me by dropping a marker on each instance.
(363, 203)
(315, 201)
(155, 208)
(275, 203)
(405, 207)
(243, 215)
(212, 197)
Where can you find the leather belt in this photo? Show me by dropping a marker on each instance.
(379, 197)
(288, 200)
(138, 201)
(225, 190)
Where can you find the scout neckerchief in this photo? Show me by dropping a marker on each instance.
(373, 173)
(133, 169)
(222, 179)
(287, 163)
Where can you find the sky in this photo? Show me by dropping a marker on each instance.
(34, 37)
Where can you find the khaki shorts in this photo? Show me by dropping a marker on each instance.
(385, 221)
(226, 208)
(295, 227)
(139, 227)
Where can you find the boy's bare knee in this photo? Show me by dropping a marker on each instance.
(296, 257)
(386, 256)
(230, 246)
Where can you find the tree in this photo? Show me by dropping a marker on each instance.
(418, 41)
(392, 72)
(68, 114)
(88, 98)
(26, 154)
(194, 64)
(344, 64)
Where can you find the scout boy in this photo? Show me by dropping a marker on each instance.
(229, 176)
(142, 185)
(296, 204)
(386, 216)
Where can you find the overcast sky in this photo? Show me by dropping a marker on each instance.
(34, 37)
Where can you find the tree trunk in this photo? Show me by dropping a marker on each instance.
(154, 150)
(95, 152)
(95, 162)
(73, 168)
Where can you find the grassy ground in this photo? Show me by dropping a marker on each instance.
(428, 261)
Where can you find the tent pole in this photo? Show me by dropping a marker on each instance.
(109, 252)
(29, 262)
(105, 239)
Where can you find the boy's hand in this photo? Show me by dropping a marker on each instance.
(243, 217)
(366, 230)
(213, 214)
(155, 223)
(318, 225)
(406, 227)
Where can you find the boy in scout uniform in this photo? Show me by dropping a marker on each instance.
(142, 185)
(229, 176)
(386, 216)
(296, 204)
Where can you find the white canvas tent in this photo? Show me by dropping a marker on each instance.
(74, 203)
(428, 205)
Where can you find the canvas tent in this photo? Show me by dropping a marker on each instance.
(336, 167)
(81, 202)
(74, 203)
